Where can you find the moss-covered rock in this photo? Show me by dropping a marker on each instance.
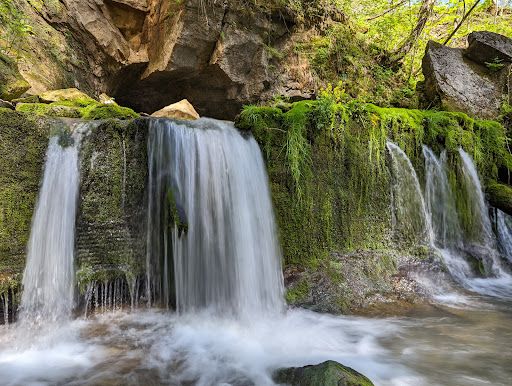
(500, 196)
(99, 111)
(12, 84)
(68, 94)
(23, 144)
(328, 373)
(111, 219)
(40, 109)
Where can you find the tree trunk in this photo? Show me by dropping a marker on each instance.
(427, 6)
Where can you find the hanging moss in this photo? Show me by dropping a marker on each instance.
(327, 166)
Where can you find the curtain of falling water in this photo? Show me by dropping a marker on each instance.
(48, 280)
(209, 176)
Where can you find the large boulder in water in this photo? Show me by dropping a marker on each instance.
(12, 84)
(488, 47)
(328, 373)
(459, 84)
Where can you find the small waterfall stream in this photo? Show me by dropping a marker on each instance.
(49, 278)
(212, 239)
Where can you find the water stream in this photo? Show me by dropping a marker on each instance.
(213, 254)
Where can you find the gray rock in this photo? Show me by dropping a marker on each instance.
(328, 373)
(6, 105)
(487, 47)
(459, 84)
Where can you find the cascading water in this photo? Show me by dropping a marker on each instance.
(409, 205)
(440, 201)
(504, 228)
(212, 239)
(48, 280)
(438, 212)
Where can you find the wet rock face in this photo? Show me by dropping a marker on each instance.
(460, 84)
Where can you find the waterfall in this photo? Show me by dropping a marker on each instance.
(212, 238)
(48, 280)
(504, 230)
(440, 201)
(479, 210)
(409, 205)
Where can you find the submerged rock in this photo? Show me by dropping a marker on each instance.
(328, 373)
(179, 110)
(459, 84)
(12, 84)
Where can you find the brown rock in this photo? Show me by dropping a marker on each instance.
(69, 94)
(12, 84)
(6, 105)
(180, 110)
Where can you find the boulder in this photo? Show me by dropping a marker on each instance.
(179, 110)
(12, 84)
(68, 94)
(328, 373)
(458, 84)
(488, 47)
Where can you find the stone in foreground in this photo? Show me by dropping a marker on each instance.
(180, 110)
(458, 84)
(328, 373)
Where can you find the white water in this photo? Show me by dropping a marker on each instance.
(409, 205)
(49, 278)
(205, 346)
(229, 260)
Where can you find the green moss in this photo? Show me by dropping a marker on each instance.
(298, 293)
(108, 111)
(111, 220)
(23, 144)
(33, 108)
(329, 178)
(12, 84)
(328, 373)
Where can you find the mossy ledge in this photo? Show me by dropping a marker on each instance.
(331, 185)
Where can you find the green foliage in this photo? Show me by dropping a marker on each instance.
(390, 29)
(495, 65)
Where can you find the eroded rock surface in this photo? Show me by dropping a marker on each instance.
(12, 84)
(149, 54)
